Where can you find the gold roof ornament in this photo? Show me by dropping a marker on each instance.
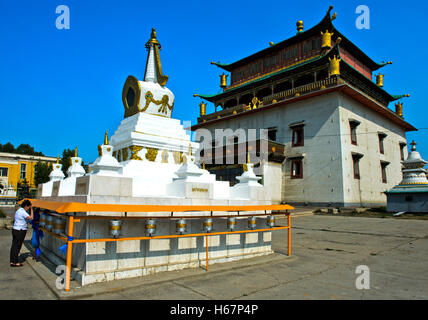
(326, 39)
(271, 43)
(57, 160)
(106, 139)
(223, 80)
(334, 66)
(299, 25)
(248, 157)
(399, 109)
(202, 108)
(75, 152)
(154, 43)
(203, 165)
(379, 79)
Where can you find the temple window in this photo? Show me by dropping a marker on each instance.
(402, 145)
(272, 133)
(353, 124)
(381, 137)
(296, 169)
(383, 166)
(297, 135)
(356, 164)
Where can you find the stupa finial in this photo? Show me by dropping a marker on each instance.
(413, 144)
(153, 67)
(57, 160)
(75, 152)
(190, 148)
(106, 138)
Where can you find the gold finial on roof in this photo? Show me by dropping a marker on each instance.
(57, 160)
(202, 108)
(334, 16)
(248, 157)
(334, 67)
(203, 165)
(223, 80)
(106, 138)
(299, 25)
(326, 39)
(75, 152)
(379, 79)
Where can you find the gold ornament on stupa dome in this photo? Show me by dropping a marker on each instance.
(326, 39)
(379, 79)
(223, 80)
(334, 66)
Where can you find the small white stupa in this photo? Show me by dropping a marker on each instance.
(411, 194)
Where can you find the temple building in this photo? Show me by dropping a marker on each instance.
(330, 136)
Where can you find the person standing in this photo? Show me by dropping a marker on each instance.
(19, 231)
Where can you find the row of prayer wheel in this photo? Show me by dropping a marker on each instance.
(115, 226)
(52, 223)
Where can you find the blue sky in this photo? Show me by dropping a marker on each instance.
(62, 88)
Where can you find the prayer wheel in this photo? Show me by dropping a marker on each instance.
(150, 227)
(59, 225)
(208, 225)
(42, 221)
(270, 221)
(115, 227)
(231, 223)
(49, 222)
(181, 226)
(252, 223)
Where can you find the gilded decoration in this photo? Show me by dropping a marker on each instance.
(124, 154)
(334, 67)
(163, 103)
(151, 154)
(134, 152)
(164, 156)
(326, 39)
(100, 151)
(178, 157)
(131, 95)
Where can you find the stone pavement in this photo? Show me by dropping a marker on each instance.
(326, 251)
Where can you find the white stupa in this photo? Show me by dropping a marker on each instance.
(150, 160)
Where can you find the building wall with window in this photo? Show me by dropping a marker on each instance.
(371, 129)
(15, 168)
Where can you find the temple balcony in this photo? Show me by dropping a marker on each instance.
(274, 98)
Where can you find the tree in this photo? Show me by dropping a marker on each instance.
(8, 147)
(41, 172)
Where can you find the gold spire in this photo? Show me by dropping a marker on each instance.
(153, 42)
(106, 138)
(203, 165)
(190, 148)
(75, 152)
(57, 160)
(248, 157)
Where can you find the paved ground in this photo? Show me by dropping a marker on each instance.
(326, 253)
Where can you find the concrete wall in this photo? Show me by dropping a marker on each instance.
(368, 190)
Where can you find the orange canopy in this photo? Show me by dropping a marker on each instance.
(63, 207)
